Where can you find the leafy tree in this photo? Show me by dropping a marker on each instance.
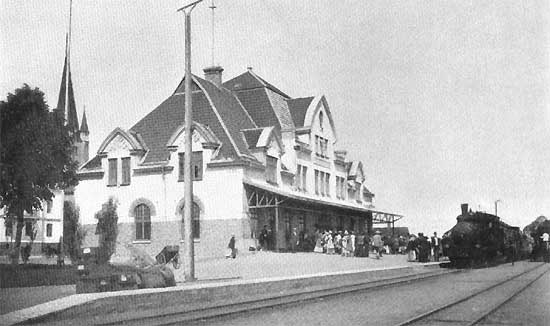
(107, 229)
(35, 155)
(73, 232)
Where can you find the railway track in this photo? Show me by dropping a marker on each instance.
(281, 300)
(476, 307)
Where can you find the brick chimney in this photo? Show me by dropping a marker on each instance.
(464, 209)
(214, 75)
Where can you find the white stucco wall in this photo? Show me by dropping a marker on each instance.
(42, 218)
(219, 193)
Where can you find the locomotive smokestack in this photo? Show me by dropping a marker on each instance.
(464, 208)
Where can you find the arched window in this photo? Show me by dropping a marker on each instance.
(196, 225)
(321, 120)
(143, 222)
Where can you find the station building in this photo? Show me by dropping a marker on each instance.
(260, 158)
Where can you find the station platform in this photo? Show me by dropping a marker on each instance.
(262, 264)
(220, 280)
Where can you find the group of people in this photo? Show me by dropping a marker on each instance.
(345, 243)
(420, 248)
(348, 243)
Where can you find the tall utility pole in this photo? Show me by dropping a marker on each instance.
(189, 248)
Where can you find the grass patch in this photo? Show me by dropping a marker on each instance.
(36, 275)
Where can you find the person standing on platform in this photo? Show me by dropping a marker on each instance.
(411, 248)
(263, 238)
(232, 250)
(424, 248)
(318, 242)
(294, 240)
(360, 245)
(436, 246)
(352, 244)
(377, 243)
(330, 244)
(345, 240)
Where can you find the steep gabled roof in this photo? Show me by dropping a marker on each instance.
(258, 106)
(298, 108)
(93, 164)
(249, 80)
(251, 136)
(213, 107)
(265, 103)
(259, 137)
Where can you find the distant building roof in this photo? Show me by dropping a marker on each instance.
(397, 231)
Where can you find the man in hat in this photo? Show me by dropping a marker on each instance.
(377, 243)
(436, 246)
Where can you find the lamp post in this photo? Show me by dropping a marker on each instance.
(496, 206)
(189, 248)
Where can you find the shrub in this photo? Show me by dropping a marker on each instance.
(107, 229)
(73, 232)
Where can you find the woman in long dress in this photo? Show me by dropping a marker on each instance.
(318, 242)
(411, 249)
(330, 245)
(345, 240)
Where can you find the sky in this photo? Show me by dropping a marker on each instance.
(444, 102)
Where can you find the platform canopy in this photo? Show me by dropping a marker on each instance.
(265, 196)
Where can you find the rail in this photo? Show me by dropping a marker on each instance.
(422, 318)
(276, 301)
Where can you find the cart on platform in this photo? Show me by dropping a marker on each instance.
(169, 254)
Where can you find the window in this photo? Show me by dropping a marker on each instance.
(49, 204)
(317, 182)
(301, 178)
(196, 161)
(29, 229)
(143, 222)
(322, 180)
(321, 146)
(113, 172)
(340, 188)
(271, 169)
(126, 171)
(327, 184)
(49, 228)
(304, 178)
(196, 223)
(196, 166)
(321, 120)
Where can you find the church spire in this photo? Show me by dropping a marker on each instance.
(84, 124)
(66, 103)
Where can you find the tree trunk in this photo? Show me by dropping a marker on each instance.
(18, 234)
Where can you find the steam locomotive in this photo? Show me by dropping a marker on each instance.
(479, 238)
(540, 252)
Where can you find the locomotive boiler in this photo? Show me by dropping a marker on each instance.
(480, 238)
